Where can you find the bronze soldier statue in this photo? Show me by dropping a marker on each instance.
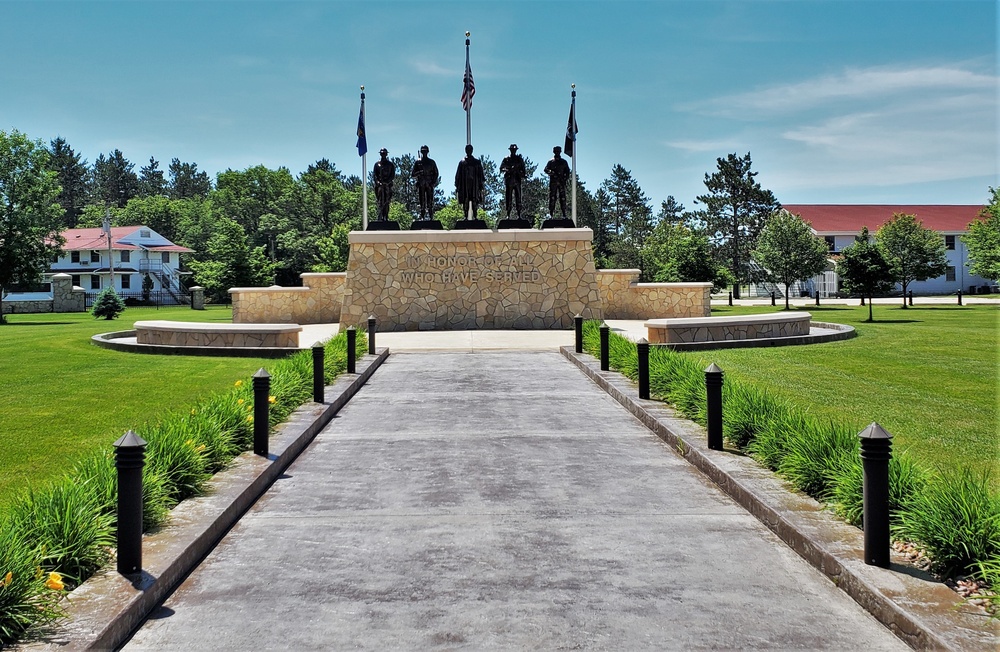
(558, 170)
(425, 171)
(514, 171)
(383, 172)
(470, 183)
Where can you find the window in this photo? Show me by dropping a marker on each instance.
(95, 282)
(126, 256)
(949, 273)
(76, 280)
(949, 243)
(144, 233)
(126, 281)
(165, 257)
(95, 256)
(831, 242)
(74, 256)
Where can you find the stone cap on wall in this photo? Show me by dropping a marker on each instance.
(734, 320)
(631, 272)
(273, 288)
(308, 275)
(694, 284)
(215, 327)
(507, 235)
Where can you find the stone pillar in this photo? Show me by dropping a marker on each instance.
(197, 298)
(65, 297)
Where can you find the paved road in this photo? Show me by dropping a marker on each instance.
(500, 500)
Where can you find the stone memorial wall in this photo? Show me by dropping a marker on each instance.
(317, 302)
(625, 298)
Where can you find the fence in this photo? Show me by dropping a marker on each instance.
(152, 299)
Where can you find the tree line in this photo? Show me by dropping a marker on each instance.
(262, 226)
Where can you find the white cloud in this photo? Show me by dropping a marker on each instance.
(432, 68)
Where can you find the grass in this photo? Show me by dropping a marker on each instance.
(927, 374)
(65, 397)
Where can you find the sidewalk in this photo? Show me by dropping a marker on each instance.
(500, 501)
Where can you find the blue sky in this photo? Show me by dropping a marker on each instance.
(837, 101)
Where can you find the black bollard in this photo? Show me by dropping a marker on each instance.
(319, 377)
(713, 395)
(261, 411)
(130, 453)
(642, 352)
(371, 334)
(605, 339)
(578, 333)
(862, 299)
(352, 343)
(817, 297)
(876, 451)
(911, 297)
(959, 297)
(730, 298)
(772, 297)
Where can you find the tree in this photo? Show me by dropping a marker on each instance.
(186, 182)
(107, 304)
(674, 253)
(789, 251)
(864, 270)
(983, 240)
(73, 176)
(229, 261)
(913, 252)
(31, 218)
(114, 181)
(736, 209)
(631, 215)
(151, 181)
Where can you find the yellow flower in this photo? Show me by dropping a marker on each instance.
(238, 383)
(55, 582)
(271, 399)
(250, 419)
(200, 448)
(240, 402)
(8, 578)
(193, 412)
(189, 442)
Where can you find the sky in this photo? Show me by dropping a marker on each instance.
(880, 101)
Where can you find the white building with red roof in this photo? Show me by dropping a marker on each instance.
(134, 253)
(838, 224)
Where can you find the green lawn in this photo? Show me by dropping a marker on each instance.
(64, 397)
(928, 374)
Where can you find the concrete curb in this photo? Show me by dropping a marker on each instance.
(921, 611)
(115, 341)
(104, 610)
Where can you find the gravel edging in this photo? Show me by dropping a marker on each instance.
(921, 611)
(104, 610)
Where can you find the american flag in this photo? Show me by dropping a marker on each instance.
(469, 89)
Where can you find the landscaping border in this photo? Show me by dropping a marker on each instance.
(921, 611)
(103, 611)
(108, 341)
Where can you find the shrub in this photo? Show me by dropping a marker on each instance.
(107, 305)
(813, 453)
(25, 600)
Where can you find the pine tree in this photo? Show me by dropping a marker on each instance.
(114, 182)
(73, 176)
(107, 305)
(151, 181)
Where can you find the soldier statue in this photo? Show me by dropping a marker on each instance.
(383, 172)
(558, 170)
(470, 183)
(425, 171)
(514, 171)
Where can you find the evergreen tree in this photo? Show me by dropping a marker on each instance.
(914, 253)
(186, 182)
(151, 181)
(631, 216)
(789, 251)
(107, 305)
(736, 209)
(864, 270)
(114, 182)
(73, 177)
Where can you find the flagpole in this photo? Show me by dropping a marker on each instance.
(468, 111)
(364, 168)
(111, 257)
(573, 110)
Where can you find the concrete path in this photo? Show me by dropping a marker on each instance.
(500, 500)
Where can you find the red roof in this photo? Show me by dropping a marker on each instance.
(94, 238)
(849, 218)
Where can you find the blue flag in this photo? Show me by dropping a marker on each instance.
(362, 139)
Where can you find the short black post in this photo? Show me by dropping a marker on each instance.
(713, 394)
(817, 297)
(642, 352)
(605, 339)
(371, 334)
(319, 375)
(862, 299)
(261, 410)
(730, 298)
(130, 454)
(352, 342)
(959, 297)
(876, 451)
(772, 297)
(578, 330)
(911, 297)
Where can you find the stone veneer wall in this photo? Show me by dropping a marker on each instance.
(317, 302)
(722, 329)
(457, 280)
(625, 298)
(65, 298)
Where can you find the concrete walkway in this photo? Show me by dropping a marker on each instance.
(500, 500)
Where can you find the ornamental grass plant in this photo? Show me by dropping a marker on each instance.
(953, 517)
(53, 537)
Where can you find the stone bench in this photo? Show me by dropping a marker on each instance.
(721, 329)
(182, 333)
